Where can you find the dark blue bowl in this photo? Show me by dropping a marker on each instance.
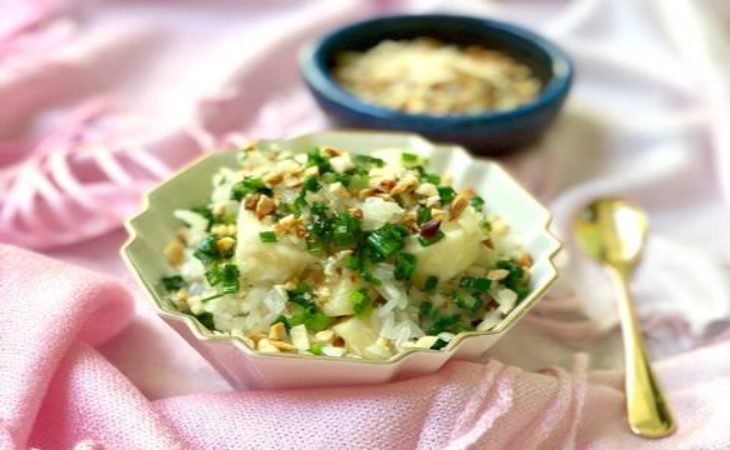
(486, 133)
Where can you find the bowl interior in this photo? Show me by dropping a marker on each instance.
(155, 225)
(463, 31)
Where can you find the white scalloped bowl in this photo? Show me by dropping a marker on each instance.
(246, 368)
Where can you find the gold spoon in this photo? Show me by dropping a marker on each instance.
(613, 232)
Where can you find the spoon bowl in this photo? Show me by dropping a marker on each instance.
(612, 231)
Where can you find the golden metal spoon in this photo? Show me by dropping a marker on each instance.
(613, 232)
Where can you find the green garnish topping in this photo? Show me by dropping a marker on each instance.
(446, 193)
(411, 160)
(428, 177)
(477, 203)
(359, 181)
(352, 262)
(427, 311)
(427, 241)
(439, 344)
(173, 283)
(405, 265)
(310, 184)
(478, 284)
(315, 349)
(213, 275)
(387, 240)
(304, 311)
(467, 302)
(431, 283)
(361, 303)
(423, 215)
(345, 230)
(315, 157)
(212, 297)
(486, 225)
(249, 185)
(268, 237)
(207, 250)
(284, 321)
(230, 278)
(446, 323)
(518, 279)
(319, 321)
(206, 319)
(368, 161)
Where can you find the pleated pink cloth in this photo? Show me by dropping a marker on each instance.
(57, 391)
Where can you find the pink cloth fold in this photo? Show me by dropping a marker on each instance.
(59, 392)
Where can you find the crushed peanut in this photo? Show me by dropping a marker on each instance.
(277, 331)
(458, 204)
(427, 76)
(264, 207)
(265, 345)
(497, 274)
(251, 201)
(225, 244)
(174, 252)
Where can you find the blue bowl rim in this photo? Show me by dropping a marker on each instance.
(317, 75)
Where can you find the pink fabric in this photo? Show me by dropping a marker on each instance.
(100, 100)
(59, 392)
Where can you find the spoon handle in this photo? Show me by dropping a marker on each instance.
(648, 412)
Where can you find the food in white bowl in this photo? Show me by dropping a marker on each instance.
(344, 255)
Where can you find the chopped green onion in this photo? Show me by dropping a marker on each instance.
(319, 321)
(423, 215)
(229, 277)
(427, 241)
(387, 240)
(302, 288)
(361, 303)
(411, 160)
(405, 266)
(284, 321)
(268, 237)
(427, 311)
(443, 323)
(315, 348)
(310, 184)
(212, 297)
(486, 226)
(477, 203)
(310, 316)
(439, 344)
(329, 177)
(345, 230)
(352, 262)
(173, 283)
(478, 284)
(315, 157)
(249, 185)
(446, 193)
(467, 302)
(359, 182)
(213, 275)
(206, 319)
(431, 283)
(369, 161)
(409, 157)
(518, 279)
(207, 250)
